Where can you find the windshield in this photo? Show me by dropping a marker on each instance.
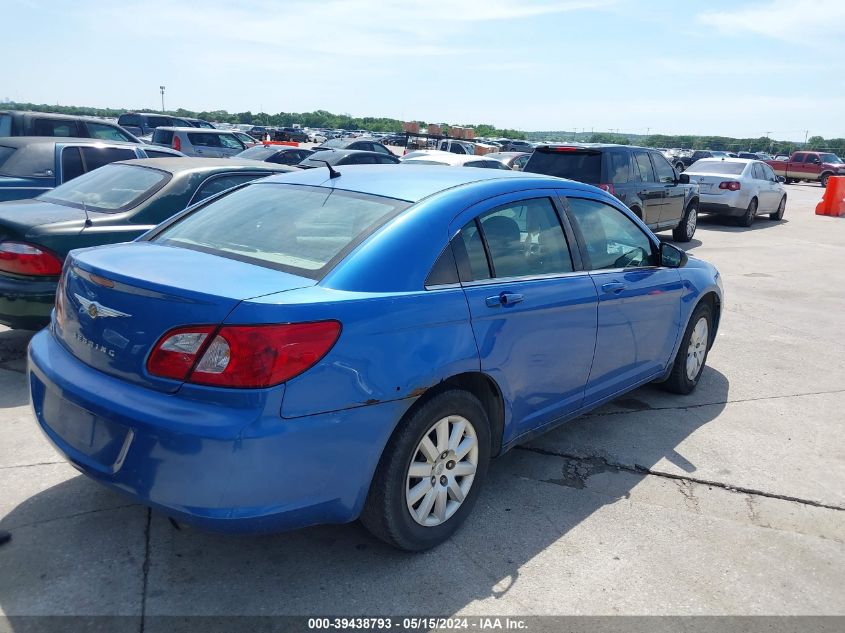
(717, 167)
(109, 189)
(304, 230)
(830, 158)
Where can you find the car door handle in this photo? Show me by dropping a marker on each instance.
(614, 287)
(503, 299)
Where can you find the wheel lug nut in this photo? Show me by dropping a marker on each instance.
(450, 464)
(443, 480)
(433, 480)
(444, 455)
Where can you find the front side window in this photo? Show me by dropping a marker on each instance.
(812, 159)
(106, 132)
(768, 174)
(611, 238)
(303, 230)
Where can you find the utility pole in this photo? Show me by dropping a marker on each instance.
(162, 97)
(769, 148)
(806, 132)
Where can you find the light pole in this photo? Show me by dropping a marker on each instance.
(162, 97)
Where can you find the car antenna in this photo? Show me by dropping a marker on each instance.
(88, 221)
(333, 173)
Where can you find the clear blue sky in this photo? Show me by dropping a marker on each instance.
(731, 67)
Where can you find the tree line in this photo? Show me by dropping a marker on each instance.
(316, 119)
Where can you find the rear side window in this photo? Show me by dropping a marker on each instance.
(204, 139)
(5, 153)
(303, 230)
(575, 165)
(96, 157)
(665, 172)
(377, 147)
(160, 121)
(5, 124)
(106, 132)
(163, 137)
(54, 127)
(798, 158)
(129, 119)
(643, 170)
(618, 167)
(151, 153)
(221, 183)
(71, 163)
(758, 172)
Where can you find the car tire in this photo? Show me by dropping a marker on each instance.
(823, 180)
(747, 218)
(394, 490)
(686, 229)
(777, 216)
(691, 356)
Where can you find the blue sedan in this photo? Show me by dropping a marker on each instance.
(319, 346)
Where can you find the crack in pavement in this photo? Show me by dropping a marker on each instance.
(710, 404)
(145, 570)
(69, 516)
(575, 476)
(31, 465)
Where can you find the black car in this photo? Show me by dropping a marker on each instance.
(279, 154)
(115, 203)
(143, 123)
(338, 157)
(290, 134)
(509, 145)
(26, 123)
(398, 140)
(642, 178)
(365, 144)
(200, 123)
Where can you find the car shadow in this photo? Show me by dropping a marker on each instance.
(533, 497)
(686, 246)
(728, 225)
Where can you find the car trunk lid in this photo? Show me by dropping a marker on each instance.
(116, 302)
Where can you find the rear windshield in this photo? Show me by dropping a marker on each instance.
(717, 167)
(580, 166)
(109, 189)
(298, 229)
(259, 152)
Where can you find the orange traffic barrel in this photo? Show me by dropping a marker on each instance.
(833, 201)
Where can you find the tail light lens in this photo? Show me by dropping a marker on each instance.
(243, 356)
(608, 187)
(177, 143)
(730, 185)
(21, 258)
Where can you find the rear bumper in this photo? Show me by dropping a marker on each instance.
(26, 304)
(732, 203)
(224, 468)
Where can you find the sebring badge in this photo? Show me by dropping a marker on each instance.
(98, 310)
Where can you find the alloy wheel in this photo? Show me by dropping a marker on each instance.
(442, 470)
(697, 349)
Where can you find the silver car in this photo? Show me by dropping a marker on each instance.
(200, 142)
(740, 188)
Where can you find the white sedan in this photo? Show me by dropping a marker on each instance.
(738, 187)
(438, 157)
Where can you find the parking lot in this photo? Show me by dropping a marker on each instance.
(728, 501)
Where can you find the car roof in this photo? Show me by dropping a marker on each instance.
(446, 157)
(410, 182)
(23, 141)
(177, 164)
(731, 159)
(56, 115)
(594, 146)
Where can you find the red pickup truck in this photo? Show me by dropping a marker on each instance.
(811, 166)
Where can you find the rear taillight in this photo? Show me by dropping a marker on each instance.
(177, 143)
(21, 258)
(730, 185)
(608, 188)
(242, 355)
(564, 149)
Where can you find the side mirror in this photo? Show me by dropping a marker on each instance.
(781, 179)
(683, 179)
(671, 256)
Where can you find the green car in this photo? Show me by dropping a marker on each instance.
(115, 203)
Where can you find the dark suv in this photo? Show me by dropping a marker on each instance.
(290, 134)
(26, 123)
(642, 178)
(143, 123)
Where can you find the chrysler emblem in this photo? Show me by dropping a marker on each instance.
(98, 310)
